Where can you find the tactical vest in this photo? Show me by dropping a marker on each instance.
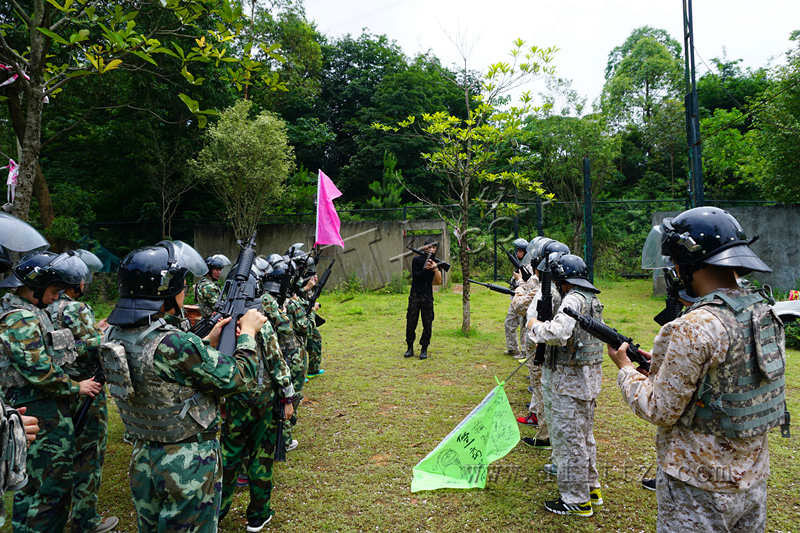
(745, 395)
(58, 343)
(13, 453)
(205, 310)
(55, 312)
(152, 408)
(582, 348)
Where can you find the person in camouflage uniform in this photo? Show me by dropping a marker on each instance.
(249, 431)
(32, 376)
(572, 377)
(207, 290)
(716, 381)
(73, 269)
(166, 383)
(514, 319)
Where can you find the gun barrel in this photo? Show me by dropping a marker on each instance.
(443, 265)
(495, 288)
(610, 336)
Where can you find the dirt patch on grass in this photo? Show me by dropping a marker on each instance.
(380, 459)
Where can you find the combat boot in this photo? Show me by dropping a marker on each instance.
(409, 352)
(423, 353)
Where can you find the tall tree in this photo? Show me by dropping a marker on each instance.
(246, 161)
(642, 73)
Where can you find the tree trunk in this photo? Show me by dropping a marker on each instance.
(34, 93)
(42, 192)
(463, 257)
(31, 144)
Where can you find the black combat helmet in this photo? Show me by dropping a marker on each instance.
(571, 269)
(274, 277)
(5, 260)
(520, 244)
(217, 261)
(91, 260)
(34, 272)
(70, 269)
(543, 248)
(709, 235)
(152, 276)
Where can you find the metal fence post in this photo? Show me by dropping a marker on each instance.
(539, 217)
(587, 218)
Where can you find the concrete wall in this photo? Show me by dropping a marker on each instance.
(778, 245)
(374, 251)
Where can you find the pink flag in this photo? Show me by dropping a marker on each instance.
(327, 220)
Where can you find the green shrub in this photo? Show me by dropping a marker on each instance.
(793, 334)
(398, 285)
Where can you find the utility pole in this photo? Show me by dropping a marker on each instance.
(691, 105)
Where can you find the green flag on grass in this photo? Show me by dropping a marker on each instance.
(462, 459)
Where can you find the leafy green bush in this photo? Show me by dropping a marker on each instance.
(398, 285)
(793, 334)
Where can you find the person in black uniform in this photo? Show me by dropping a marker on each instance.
(424, 274)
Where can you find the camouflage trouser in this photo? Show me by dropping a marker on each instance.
(512, 323)
(43, 504)
(574, 448)
(176, 487)
(314, 346)
(90, 452)
(682, 508)
(298, 364)
(248, 437)
(537, 401)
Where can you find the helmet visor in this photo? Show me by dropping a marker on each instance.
(91, 260)
(187, 257)
(18, 235)
(652, 258)
(741, 257)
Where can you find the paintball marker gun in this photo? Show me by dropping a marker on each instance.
(512, 256)
(317, 291)
(673, 306)
(81, 417)
(238, 295)
(443, 266)
(611, 337)
(495, 288)
(544, 310)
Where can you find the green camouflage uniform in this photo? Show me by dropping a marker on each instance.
(249, 430)
(90, 444)
(32, 378)
(177, 486)
(206, 294)
(314, 341)
(295, 309)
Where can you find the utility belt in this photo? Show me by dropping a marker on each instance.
(203, 436)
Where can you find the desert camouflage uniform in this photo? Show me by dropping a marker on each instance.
(515, 316)
(90, 444)
(705, 480)
(206, 294)
(249, 430)
(35, 380)
(569, 393)
(178, 486)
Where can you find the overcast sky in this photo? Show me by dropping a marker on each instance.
(585, 31)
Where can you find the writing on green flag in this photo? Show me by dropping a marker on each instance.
(461, 460)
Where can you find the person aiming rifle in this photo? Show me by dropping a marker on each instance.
(513, 320)
(426, 271)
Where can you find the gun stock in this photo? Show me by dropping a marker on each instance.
(610, 336)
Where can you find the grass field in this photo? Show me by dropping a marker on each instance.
(373, 415)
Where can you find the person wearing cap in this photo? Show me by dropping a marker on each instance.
(207, 290)
(74, 269)
(513, 318)
(424, 275)
(571, 378)
(716, 384)
(167, 383)
(32, 376)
